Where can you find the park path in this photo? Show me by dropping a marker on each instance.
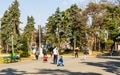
(73, 66)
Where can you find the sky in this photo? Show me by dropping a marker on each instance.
(39, 9)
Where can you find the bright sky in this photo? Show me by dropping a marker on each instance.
(39, 9)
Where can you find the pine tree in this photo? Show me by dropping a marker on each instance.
(29, 30)
(10, 25)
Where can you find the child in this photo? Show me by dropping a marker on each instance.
(45, 58)
(51, 53)
(85, 54)
(60, 62)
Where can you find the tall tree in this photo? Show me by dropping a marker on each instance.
(75, 27)
(95, 12)
(5, 30)
(10, 24)
(53, 27)
(112, 23)
(29, 30)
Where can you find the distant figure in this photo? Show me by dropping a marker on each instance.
(41, 51)
(51, 53)
(76, 52)
(55, 52)
(45, 58)
(60, 62)
(84, 55)
(34, 49)
(112, 52)
(44, 53)
(36, 54)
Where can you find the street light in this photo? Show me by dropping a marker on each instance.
(12, 45)
(39, 47)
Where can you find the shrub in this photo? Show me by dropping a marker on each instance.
(24, 48)
(24, 54)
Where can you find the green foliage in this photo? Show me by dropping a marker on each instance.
(24, 48)
(29, 30)
(67, 51)
(70, 22)
(10, 25)
(109, 42)
(24, 54)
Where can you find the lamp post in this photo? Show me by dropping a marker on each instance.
(39, 47)
(12, 45)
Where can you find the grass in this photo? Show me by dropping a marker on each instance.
(1, 60)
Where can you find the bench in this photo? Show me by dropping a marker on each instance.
(7, 59)
(11, 58)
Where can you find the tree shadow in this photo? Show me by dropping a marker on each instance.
(62, 72)
(113, 57)
(10, 71)
(110, 66)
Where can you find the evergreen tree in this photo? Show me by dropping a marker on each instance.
(29, 30)
(10, 26)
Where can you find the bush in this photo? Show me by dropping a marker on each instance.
(24, 48)
(24, 54)
(67, 51)
(103, 54)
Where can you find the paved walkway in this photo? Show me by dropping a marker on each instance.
(73, 66)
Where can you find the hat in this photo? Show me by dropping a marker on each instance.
(77, 48)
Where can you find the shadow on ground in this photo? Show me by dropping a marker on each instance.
(11, 71)
(110, 66)
(115, 58)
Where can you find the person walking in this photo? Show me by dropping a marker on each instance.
(84, 55)
(55, 52)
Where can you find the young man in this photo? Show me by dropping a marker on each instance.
(55, 52)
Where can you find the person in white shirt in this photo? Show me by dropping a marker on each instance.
(55, 52)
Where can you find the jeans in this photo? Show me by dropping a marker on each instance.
(55, 59)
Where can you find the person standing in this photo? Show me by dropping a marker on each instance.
(112, 52)
(41, 51)
(44, 53)
(76, 52)
(55, 52)
(36, 54)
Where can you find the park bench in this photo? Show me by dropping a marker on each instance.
(11, 58)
